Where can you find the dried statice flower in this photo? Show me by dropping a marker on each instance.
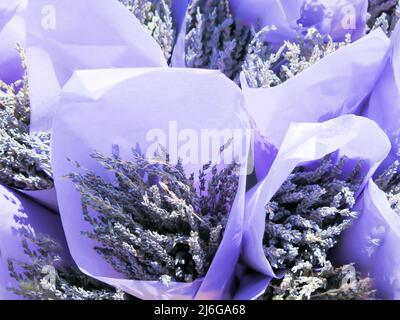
(383, 14)
(46, 278)
(24, 158)
(153, 222)
(266, 67)
(214, 40)
(156, 17)
(304, 221)
(389, 182)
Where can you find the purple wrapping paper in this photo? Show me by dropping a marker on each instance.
(355, 137)
(384, 104)
(179, 10)
(334, 17)
(260, 13)
(282, 14)
(89, 34)
(47, 198)
(17, 212)
(336, 85)
(378, 221)
(104, 107)
(12, 31)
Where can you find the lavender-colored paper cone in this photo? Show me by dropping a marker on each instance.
(334, 86)
(336, 18)
(134, 106)
(16, 213)
(350, 135)
(89, 34)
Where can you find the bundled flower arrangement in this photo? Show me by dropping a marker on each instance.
(265, 165)
(154, 223)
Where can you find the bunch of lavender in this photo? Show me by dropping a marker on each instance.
(24, 158)
(156, 17)
(383, 14)
(389, 182)
(153, 223)
(265, 67)
(45, 277)
(214, 40)
(304, 221)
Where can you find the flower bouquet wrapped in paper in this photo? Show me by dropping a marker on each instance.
(298, 212)
(151, 186)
